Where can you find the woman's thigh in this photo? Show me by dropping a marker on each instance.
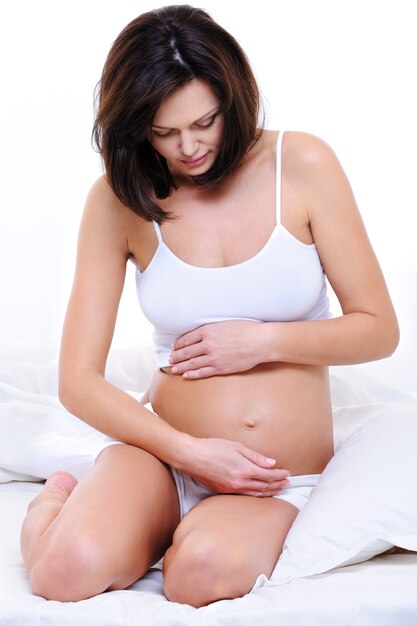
(222, 545)
(118, 521)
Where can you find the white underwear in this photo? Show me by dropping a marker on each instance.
(191, 492)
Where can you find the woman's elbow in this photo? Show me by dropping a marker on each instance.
(66, 392)
(70, 390)
(76, 387)
(395, 339)
(389, 338)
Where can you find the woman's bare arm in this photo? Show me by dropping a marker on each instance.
(368, 329)
(88, 330)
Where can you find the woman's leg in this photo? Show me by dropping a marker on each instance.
(104, 532)
(222, 545)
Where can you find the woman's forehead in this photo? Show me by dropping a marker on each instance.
(188, 104)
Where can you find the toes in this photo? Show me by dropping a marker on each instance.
(62, 481)
(58, 488)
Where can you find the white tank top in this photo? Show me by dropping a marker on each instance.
(283, 282)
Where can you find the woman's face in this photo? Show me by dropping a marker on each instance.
(187, 130)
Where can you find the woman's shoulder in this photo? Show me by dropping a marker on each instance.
(305, 158)
(107, 219)
(299, 147)
(303, 147)
(305, 155)
(306, 149)
(102, 195)
(103, 203)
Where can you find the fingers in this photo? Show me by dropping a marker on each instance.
(263, 493)
(268, 486)
(195, 367)
(187, 358)
(191, 364)
(267, 480)
(257, 488)
(270, 478)
(203, 372)
(262, 489)
(264, 462)
(194, 336)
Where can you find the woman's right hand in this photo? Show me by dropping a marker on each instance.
(229, 467)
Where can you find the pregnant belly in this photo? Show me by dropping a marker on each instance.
(280, 410)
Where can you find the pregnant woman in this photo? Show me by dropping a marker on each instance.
(232, 228)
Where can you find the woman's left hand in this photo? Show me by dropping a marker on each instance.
(217, 349)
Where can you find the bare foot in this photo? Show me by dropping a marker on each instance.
(57, 488)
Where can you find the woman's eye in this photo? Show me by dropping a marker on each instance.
(211, 123)
(159, 134)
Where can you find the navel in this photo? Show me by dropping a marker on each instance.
(250, 423)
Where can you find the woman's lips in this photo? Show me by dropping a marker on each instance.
(195, 161)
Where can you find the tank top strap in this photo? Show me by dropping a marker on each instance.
(158, 231)
(278, 176)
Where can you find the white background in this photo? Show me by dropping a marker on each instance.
(343, 70)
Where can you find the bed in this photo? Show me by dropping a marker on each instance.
(337, 567)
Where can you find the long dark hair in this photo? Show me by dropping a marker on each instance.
(157, 53)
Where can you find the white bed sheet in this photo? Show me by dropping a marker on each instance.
(379, 592)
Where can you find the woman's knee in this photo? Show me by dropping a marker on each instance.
(201, 568)
(71, 569)
(81, 566)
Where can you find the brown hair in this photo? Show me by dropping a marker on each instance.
(157, 53)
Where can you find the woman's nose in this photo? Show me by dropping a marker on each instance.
(189, 145)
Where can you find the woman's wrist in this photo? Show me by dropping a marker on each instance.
(269, 341)
(182, 452)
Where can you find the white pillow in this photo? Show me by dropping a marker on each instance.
(38, 436)
(366, 499)
(354, 385)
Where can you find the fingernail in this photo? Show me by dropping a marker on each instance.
(174, 370)
(268, 460)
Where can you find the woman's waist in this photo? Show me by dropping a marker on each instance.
(277, 386)
(279, 410)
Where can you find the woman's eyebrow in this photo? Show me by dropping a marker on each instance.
(195, 121)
